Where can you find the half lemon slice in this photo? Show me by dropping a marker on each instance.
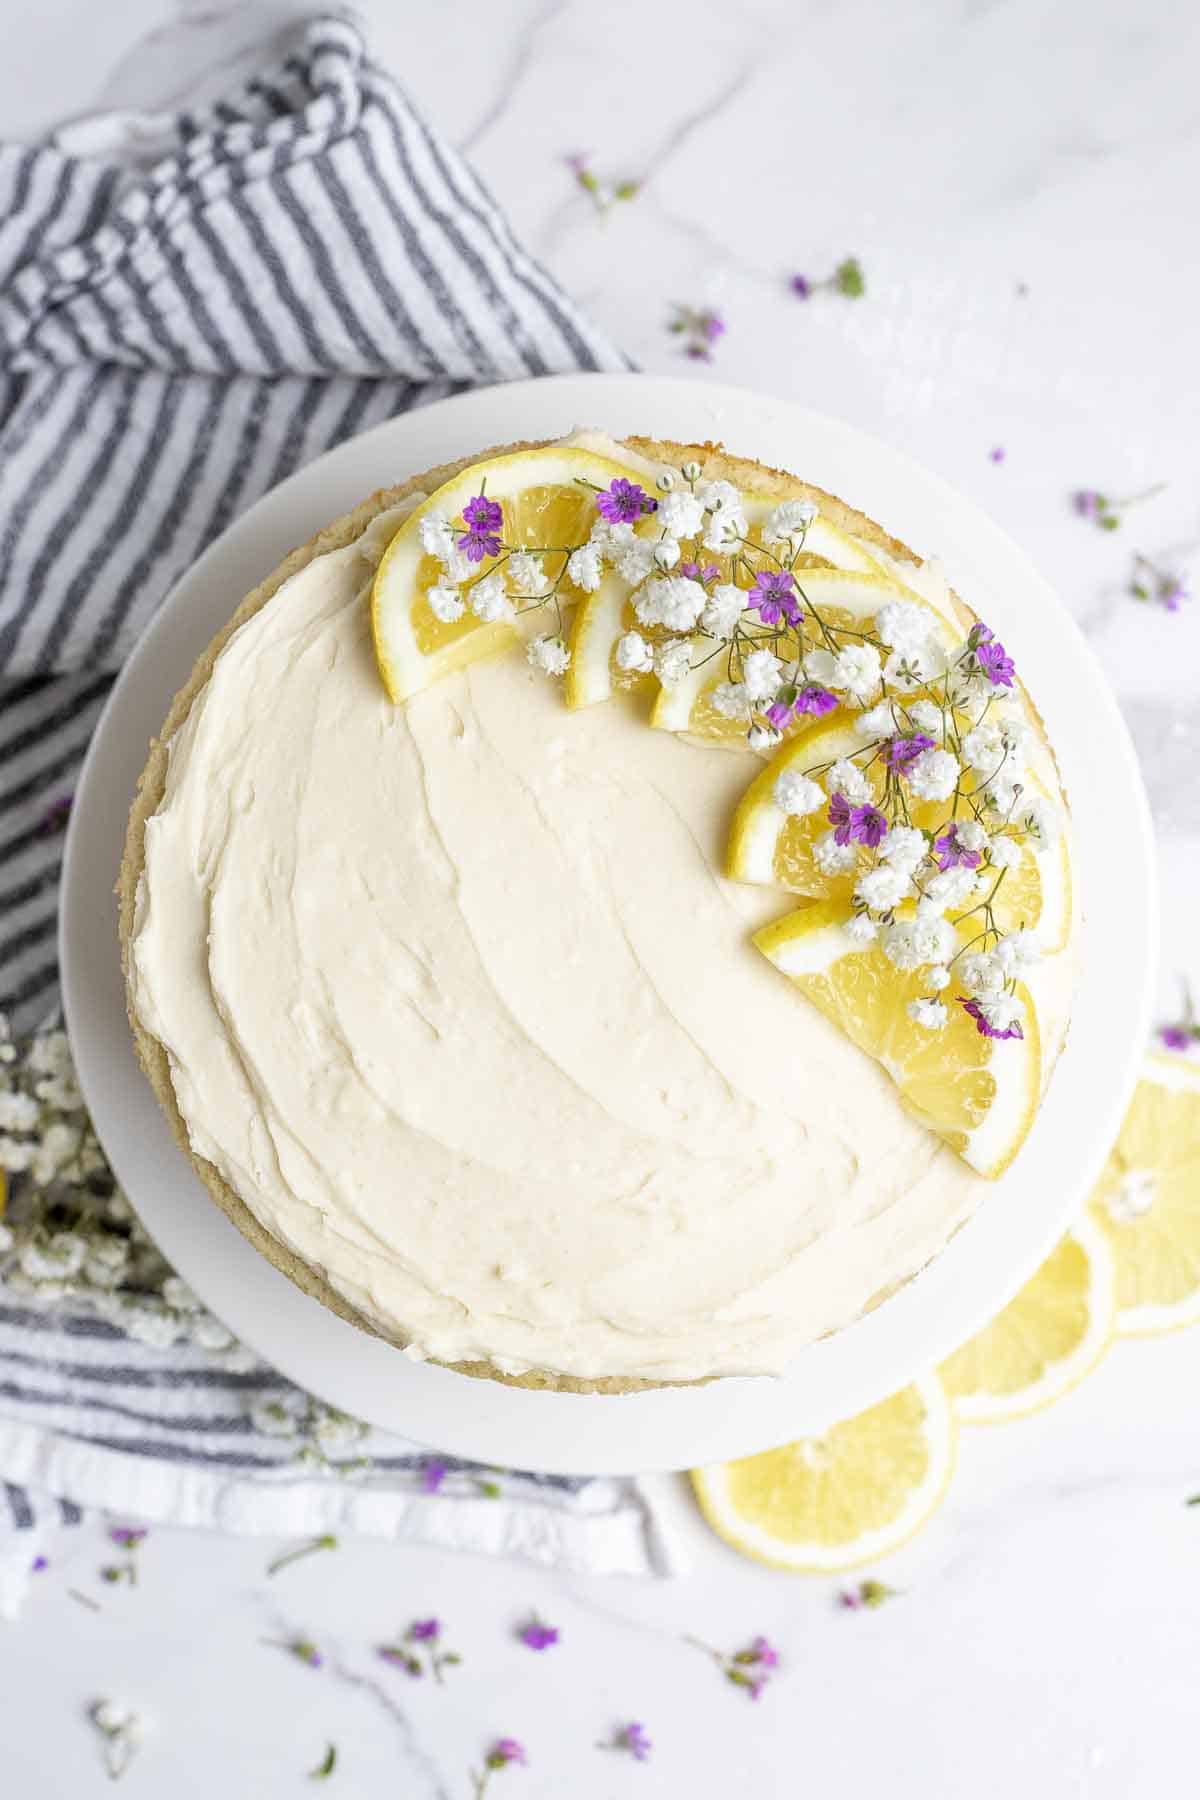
(846, 1497)
(978, 1093)
(548, 502)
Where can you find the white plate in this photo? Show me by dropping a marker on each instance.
(987, 1261)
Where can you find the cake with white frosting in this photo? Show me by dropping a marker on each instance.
(462, 977)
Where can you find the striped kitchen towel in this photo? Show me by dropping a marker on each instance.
(190, 308)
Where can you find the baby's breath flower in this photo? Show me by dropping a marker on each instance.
(934, 775)
(926, 716)
(722, 610)
(763, 737)
(833, 858)
(731, 700)
(904, 847)
(445, 603)
(951, 887)
(861, 928)
(681, 514)
(635, 561)
(666, 554)
(878, 722)
(789, 521)
(1018, 951)
(882, 888)
(527, 575)
(980, 973)
(673, 662)
(550, 655)
(634, 653)
(583, 568)
(797, 794)
(760, 673)
(929, 1013)
(856, 670)
(489, 600)
(1004, 853)
(437, 539)
(845, 777)
(903, 625)
(937, 978)
(1041, 821)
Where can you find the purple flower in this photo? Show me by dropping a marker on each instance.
(536, 1636)
(869, 1593)
(425, 1631)
(694, 572)
(55, 816)
(999, 453)
(993, 658)
(815, 700)
(634, 1738)
(764, 1653)
(577, 162)
(505, 1751)
(1175, 593)
(801, 286)
(623, 502)
(773, 597)
(38, 1564)
(900, 753)
(713, 326)
(127, 1536)
(306, 1652)
(951, 854)
(975, 1011)
(1087, 503)
(841, 817)
(868, 825)
(483, 518)
(1177, 1037)
(400, 1658)
(779, 713)
(433, 1475)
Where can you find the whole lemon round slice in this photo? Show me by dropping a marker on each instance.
(847, 1497)
(979, 1094)
(1046, 1339)
(1147, 1202)
(547, 503)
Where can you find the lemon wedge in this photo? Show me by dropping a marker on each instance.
(548, 502)
(847, 1497)
(843, 599)
(977, 1093)
(771, 848)
(1047, 1338)
(1147, 1202)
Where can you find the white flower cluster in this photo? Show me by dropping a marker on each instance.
(514, 585)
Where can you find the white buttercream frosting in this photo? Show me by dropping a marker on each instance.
(457, 1001)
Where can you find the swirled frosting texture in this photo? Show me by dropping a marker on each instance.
(456, 1000)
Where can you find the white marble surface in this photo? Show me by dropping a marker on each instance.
(1049, 1630)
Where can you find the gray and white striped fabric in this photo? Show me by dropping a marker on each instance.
(302, 261)
(190, 308)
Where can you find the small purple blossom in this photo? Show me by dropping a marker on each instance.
(951, 853)
(815, 700)
(634, 1738)
(55, 817)
(763, 1653)
(1087, 503)
(425, 1631)
(400, 1658)
(973, 1009)
(303, 1649)
(700, 330)
(504, 1751)
(779, 713)
(998, 454)
(536, 1636)
(869, 1594)
(624, 502)
(841, 816)
(773, 597)
(1168, 589)
(901, 752)
(433, 1475)
(1177, 1037)
(39, 1564)
(992, 657)
(128, 1536)
(483, 519)
(801, 286)
(694, 572)
(856, 825)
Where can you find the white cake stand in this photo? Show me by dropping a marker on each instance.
(986, 1262)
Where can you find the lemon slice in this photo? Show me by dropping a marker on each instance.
(1148, 1200)
(979, 1094)
(841, 598)
(847, 1497)
(604, 617)
(771, 848)
(1046, 1339)
(546, 504)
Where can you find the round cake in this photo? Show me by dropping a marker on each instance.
(561, 935)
